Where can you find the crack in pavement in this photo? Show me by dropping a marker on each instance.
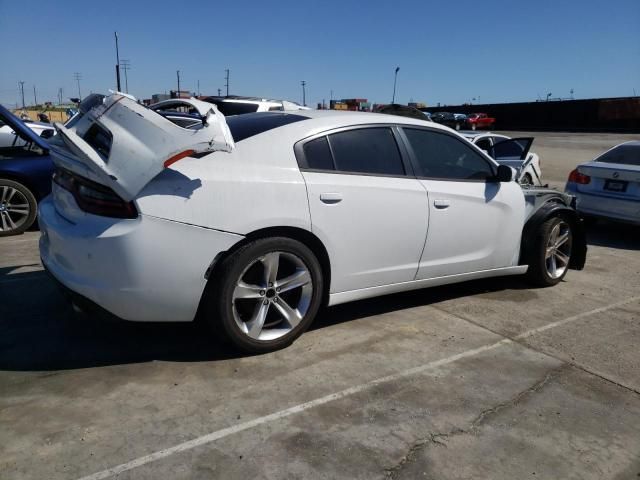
(440, 438)
(521, 340)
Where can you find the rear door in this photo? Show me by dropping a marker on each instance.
(366, 206)
(475, 223)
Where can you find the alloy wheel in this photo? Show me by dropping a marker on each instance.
(272, 296)
(558, 250)
(14, 208)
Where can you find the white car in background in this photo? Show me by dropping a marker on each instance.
(609, 186)
(253, 222)
(515, 154)
(237, 105)
(8, 137)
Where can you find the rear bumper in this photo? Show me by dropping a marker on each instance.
(147, 269)
(627, 211)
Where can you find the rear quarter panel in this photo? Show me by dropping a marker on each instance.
(33, 172)
(258, 185)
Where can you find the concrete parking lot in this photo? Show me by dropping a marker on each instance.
(484, 380)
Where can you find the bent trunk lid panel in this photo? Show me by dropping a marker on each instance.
(142, 141)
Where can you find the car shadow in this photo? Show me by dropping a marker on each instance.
(39, 330)
(622, 236)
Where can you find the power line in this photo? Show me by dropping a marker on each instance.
(77, 76)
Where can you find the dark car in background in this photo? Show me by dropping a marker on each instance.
(453, 120)
(403, 111)
(25, 176)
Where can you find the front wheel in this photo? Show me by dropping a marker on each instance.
(266, 294)
(550, 255)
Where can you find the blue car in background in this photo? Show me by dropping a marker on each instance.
(25, 176)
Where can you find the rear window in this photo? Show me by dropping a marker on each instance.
(245, 126)
(235, 108)
(622, 154)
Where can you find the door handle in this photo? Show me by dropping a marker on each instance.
(441, 204)
(330, 198)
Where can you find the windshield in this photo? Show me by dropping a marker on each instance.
(628, 154)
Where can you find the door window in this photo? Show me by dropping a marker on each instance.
(371, 151)
(442, 156)
(366, 150)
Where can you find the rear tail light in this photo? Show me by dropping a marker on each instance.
(576, 177)
(94, 198)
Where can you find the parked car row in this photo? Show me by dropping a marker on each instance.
(460, 121)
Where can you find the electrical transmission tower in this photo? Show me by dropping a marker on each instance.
(77, 76)
(125, 65)
(22, 92)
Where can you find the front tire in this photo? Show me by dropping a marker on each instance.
(550, 254)
(18, 208)
(265, 294)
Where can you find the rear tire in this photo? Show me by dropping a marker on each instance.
(18, 208)
(550, 254)
(265, 294)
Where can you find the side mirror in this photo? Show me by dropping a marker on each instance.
(505, 174)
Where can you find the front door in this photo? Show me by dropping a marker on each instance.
(475, 222)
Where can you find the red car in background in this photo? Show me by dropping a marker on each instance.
(479, 120)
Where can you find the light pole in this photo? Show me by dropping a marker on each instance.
(304, 93)
(227, 80)
(178, 75)
(117, 63)
(395, 78)
(549, 95)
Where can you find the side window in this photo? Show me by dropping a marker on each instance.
(367, 150)
(318, 154)
(484, 144)
(443, 156)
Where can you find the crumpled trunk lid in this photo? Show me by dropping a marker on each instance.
(124, 145)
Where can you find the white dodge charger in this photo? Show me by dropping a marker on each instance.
(253, 222)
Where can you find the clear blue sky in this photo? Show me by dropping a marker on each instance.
(448, 52)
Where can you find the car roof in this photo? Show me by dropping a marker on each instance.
(361, 118)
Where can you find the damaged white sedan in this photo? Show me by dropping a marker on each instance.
(253, 222)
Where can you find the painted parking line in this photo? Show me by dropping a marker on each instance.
(225, 432)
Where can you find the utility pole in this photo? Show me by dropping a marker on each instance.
(219, 92)
(395, 78)
(22, 92)
(178, 74)
(117, 63)
(304, 93)
(35, 97)
(60, 96)
(126, 65)
(78, 77)
(227, 80)
(198, 87)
